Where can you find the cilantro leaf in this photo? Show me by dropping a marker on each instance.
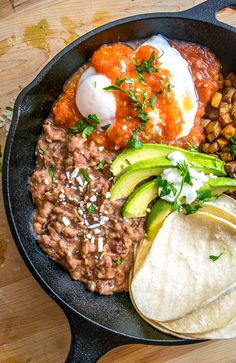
(93, 119)
(119, 261)
(105, 127)
(91, 208)
(141, 79)
(42, 150)
(169, 87)
(100, 165)
(153, 101)
(166, 186)
(134, 142)
(146, 66)
(215, 258)
(52, 172)
(183, 169)
(85, 175)
(204, 194)
(232, 147)
(191, 209)
(87, 131)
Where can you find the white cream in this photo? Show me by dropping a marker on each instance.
(181, 79)
(189, 192)
(91, 98)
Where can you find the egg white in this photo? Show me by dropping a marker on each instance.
(181, 78)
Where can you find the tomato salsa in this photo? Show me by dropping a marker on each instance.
(144, 93)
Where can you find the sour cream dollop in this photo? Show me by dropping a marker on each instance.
(91, 98)
(172, 176)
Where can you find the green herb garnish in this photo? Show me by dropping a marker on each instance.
(88, 130)
(146, 66)
(91, 208)
(134, 142)
(192, 147)
(119, 261)
(153, 101)
(100, 165)
(8, 108)
(42, 150)
(128, 118)
(232, 146)
(166, 186)
(52, 172)
(105, 127)
(87, 125)
(126, 80)
(183, 170)
(141, 79)
(169, 87)
(191, 209)
(85, 175)
(215, 258)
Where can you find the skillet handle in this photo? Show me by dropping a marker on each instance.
(207, 10)
(90, 342)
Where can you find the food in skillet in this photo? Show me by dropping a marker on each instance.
(116, 158)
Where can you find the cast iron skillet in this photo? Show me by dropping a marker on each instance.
(98, 323)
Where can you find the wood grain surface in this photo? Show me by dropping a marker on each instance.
(32, 327)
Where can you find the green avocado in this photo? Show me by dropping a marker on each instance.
(220, 185)
(139, 200)
(137, 173)
(161, 209)
(150, 151)
(159, 212)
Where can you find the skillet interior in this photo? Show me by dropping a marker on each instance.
(32, 107)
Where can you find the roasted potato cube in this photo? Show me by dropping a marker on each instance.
(222, 143)
(211, 136)
(225, 155)
(212, 148)
(228, 132)
(233, 110)
(228, 94)
(224, 108)
(216, 99)
(212, 113)
(227, 83)
(225, 119)
(231, 168)
(205, 122)
(213, 128)
(205, 147)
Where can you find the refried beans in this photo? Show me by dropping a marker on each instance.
(74, 221)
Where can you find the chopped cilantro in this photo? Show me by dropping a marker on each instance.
(142, 127)
(134, 142)
(143, 116)
(91, 208)
(166, 186)
(146, 66)
(52, 172)
(128, 118)
(100, 165)
(204, 194)
(175, 206)
(105, 127)
(153, 101)
(215, 258)
(183, 169)
(8, 108)
(119, 261)
(42, 150)
(93, 119)
(232, 146)
(190, 209)
(169, 87)
(192, 147)
(85, 175)
(126, 80)
(88, 130)
(141, 79)
(144, 95)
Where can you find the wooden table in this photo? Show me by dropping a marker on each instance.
(32, 327)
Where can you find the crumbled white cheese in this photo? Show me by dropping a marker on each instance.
(97, 231)
(124, 127)
(46, 181)
(123, 65)
(62, 196)
(74, 173)
(68, 175)
(89, 236)
(80, 212)
(95, 225)
(92, 240)
(100, 244)
(107, 195)
(91, 177)
(148, 210)
(80, 181)
(101, 148)
(93, 198)
(66, 221)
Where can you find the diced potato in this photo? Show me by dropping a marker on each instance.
(231, 168)
(222, 143)
(205, 147)
(211, 136)
(215, 101)
(224, 108)
(227, 83)
(225, 119)
(228, 94)
(213, 113)
(228, 132)
(212, 148)
(214, 128)
(205, 122)
(233, 110)
(225, 155)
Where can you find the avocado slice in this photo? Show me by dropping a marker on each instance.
(220, 185)
(138, 201)
(150, 151)
(159, 212)
(162, 208)
(135, 174)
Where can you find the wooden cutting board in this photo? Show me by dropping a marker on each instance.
(32, 327)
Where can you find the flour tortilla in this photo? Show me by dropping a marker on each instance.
(223, 207)
(177, 276)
